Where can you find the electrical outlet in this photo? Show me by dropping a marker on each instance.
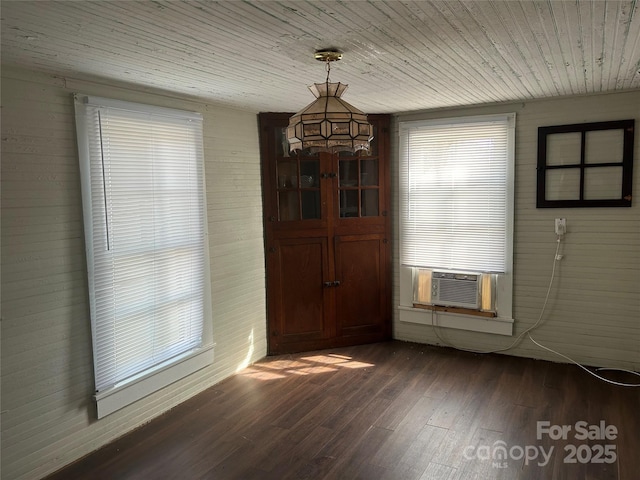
(561, 226)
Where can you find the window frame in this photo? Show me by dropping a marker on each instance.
(625, 164)
(170, 370)
(463, 319)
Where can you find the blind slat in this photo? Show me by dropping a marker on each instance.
(454, 201)
(147, 237)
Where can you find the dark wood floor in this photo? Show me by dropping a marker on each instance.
(384, 411)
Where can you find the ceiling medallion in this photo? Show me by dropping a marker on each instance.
(329, 124)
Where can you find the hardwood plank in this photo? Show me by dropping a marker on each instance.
(304, 452)
(316, 415)
(475, 465)
(406, 432)
(452, 448)
(393, 410)
(402, 471)
(424, 447)
(436, 471)
(358, 464)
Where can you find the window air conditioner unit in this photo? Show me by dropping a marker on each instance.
(455, 289)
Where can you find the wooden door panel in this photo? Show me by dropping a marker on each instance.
(326, 220)
(299, 296)
(361, 297)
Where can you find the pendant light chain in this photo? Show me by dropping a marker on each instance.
(326, 101)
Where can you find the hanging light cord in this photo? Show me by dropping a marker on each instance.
(326, 102)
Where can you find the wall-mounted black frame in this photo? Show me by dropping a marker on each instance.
(578, 168)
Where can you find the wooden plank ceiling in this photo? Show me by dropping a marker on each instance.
(398, 56)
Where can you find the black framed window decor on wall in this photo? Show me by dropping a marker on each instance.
(585, 165)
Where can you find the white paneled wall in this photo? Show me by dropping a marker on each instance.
(48, 419)
(593, 314)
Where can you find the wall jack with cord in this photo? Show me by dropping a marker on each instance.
(560, 227)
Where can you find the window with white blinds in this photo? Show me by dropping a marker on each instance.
(456, 193)
(144, 208)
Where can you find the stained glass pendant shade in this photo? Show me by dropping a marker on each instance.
(329, 124)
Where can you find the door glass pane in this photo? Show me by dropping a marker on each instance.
(287, 174)
(349, 203)
(310, 204)
(370, 203)
(288, 205)
(348, 173)
(309, 173)
(281, 143)
(369, 172)
(307, 153)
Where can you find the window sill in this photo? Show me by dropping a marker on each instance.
(453, 318)
(460, 310)
(120, 396)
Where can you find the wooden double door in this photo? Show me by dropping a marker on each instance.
(327, 241)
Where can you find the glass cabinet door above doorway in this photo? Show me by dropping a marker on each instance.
(298, 183)
(359, 183)
(307, 190)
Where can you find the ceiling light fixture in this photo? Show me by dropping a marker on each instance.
(329, 124)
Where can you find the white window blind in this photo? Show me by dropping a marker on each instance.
(143, 195)
(455, 193)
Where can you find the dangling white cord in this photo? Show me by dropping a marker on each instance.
(519, 337)
(620, 384)
(526, 332)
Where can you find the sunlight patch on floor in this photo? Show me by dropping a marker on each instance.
(283, 364)
(260, 374)
(311, 365)
(319, 369)
(355, 364)
(328, 359)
